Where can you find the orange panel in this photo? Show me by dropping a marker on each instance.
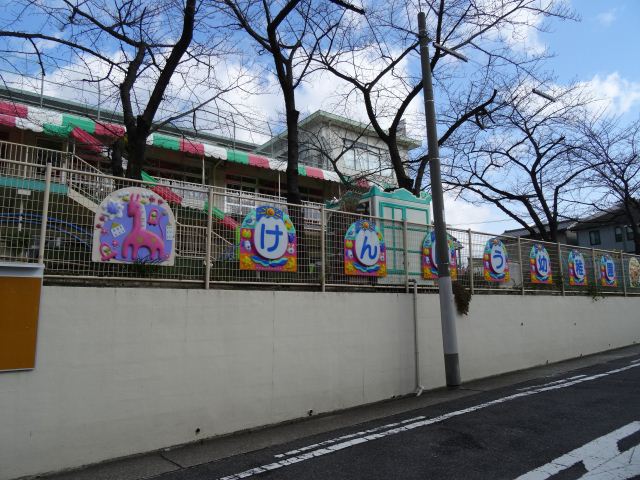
(19, 306)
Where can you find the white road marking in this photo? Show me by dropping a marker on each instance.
(601, 458)
(550, 383)
(335, 444)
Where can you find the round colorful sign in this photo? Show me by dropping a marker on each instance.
(364, 250)
(540, 265)
(495, 261)
(134, 225)
(429, 258)
(608, 272)
(268, 241)
(577, 269)
(634, 273)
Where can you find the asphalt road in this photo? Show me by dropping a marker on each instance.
(581, 424)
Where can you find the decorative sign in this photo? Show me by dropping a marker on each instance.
(540, 265)
(496, 262)
(134, 225)
(608, 272)
(634, 273)
(577, 269)
(365, 253)
(429, 259)
(268, 241)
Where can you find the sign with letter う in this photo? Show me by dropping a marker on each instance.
(540, 265)
(430, 261)
(268, 241)
(608, 276)
(495, 262)
(134, 225)
(577, 269)
(634, 273)
(365, 253)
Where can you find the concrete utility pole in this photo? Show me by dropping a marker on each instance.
(447, 308)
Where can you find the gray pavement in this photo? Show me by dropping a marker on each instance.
(423, 437)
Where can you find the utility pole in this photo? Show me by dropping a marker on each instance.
(447, 312)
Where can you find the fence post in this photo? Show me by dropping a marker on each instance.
(323, 253)
(561, 269)
(623, 274)
(207, 262)
(521, 266)
(595, 267)
(406, 255)
(471, 286)
(45, 214)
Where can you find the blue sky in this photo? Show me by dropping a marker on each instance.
(604, 43)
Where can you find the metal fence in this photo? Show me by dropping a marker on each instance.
(207, 249)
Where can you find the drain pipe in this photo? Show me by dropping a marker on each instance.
(416, 338)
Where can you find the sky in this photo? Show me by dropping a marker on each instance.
(601, 50)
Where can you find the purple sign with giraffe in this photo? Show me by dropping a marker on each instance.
(134, 225)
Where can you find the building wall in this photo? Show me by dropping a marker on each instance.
(125, 371)
(607, 239)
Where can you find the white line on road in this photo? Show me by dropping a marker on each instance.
(407, 425)
(550, 383)
(601, 458)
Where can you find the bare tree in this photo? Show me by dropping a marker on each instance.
(292, 35)
(378, 63)
(527, 162)
(612, 151)
(136, 47)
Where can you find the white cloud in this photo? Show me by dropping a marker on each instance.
(615, 94)
(607, 18)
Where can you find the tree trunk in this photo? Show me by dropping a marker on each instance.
(293, 148)
(136, 148)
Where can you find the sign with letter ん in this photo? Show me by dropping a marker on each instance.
(365, 253)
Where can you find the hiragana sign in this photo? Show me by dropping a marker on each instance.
(608, 277)
(540, 265)
(268, 241)
(430, 261)
(634, 273)
(495, 262)
(365, 253)
(577, 269)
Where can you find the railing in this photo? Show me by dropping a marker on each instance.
(207, 253)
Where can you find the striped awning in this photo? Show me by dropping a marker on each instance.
(83, 129)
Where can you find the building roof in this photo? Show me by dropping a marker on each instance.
(323, 117)
(612, 216)
(108, 116)
(523, 232)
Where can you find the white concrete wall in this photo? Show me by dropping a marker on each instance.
(123, 371)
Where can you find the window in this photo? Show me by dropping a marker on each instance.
(629, 233)
(246, 199)
(361, 157)
(594, 237)
(618, 233)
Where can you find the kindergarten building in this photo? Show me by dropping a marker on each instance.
(55, 130)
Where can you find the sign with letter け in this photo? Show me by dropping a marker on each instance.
(268, 241)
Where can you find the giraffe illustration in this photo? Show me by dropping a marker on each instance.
(139, 236)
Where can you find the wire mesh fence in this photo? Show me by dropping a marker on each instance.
(217, 230)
